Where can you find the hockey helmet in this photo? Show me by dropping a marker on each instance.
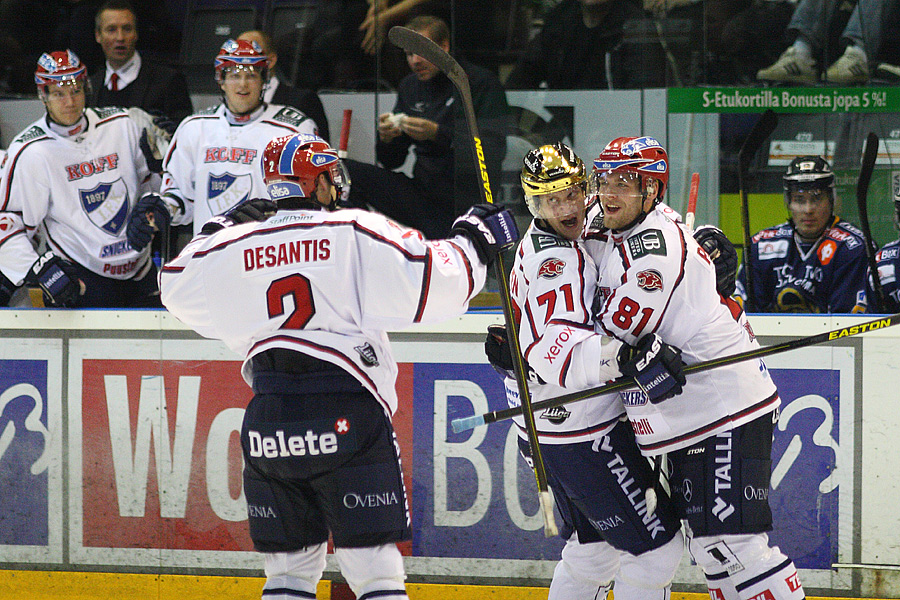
(236, 54)
(809, 173)
(59, 68)
(291, 165)
(550, 169)
(642, 156)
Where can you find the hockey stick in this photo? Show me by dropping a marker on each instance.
(345, 133)
(692, 201)
(622, 383)
(870, 154)
(763, 129)
(416, 43)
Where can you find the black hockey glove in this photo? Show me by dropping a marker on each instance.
(655, 366)
(163, 122)
(492, 230)
(499, 354)
(255, 209)
(154, 164)
(723, 255)
(57, 279)
(149, 215)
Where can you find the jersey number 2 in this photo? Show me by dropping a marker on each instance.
(298, 288)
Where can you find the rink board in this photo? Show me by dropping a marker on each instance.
(120, 433)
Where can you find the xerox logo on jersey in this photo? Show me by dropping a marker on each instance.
(552, 267)
(107, 205)
(227, 190)
(650, 280)
(92, 167)
(232, 155)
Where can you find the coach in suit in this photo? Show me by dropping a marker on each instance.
(279, 92)
(128, 80)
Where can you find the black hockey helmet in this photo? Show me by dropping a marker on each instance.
(808, 173)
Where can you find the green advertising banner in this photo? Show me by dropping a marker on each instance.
(784, 100)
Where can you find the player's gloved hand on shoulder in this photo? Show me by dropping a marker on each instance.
(655, 366)
(57, 279)
(499, 354)
(254, 209)
(149, 215)
(724, 257)
(163, 121)
(492, 230)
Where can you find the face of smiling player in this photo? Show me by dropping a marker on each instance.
(243, 87)
(564, 211)
(620, 197)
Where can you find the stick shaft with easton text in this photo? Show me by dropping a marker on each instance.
(622, 383)
(754, 140)
(416, 43)
(870, 154)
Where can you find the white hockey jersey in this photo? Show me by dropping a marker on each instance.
(552, 284)
(654, 278)
(76, 192)
(213, 164)
(327, 284)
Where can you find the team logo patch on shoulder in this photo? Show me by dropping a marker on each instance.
(646, 242)
(552, 267)
(30, 134)
(650, 280)
(542, 242)
(108, 111)
(826, 251)
(290, 116)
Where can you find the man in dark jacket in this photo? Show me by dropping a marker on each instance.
(428, 118)
(128, 79)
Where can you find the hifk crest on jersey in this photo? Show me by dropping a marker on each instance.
(227, 190)
(551, 268)
(650, 280)
(107, 205)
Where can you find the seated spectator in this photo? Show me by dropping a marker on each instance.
(428, 120)
(280, 92)
(887, 262)
(129, 79)
(814, 263)
(70, 180)
(214, 161)
(579, 47)
(863, 36)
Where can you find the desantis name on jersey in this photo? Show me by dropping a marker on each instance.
(287, 253)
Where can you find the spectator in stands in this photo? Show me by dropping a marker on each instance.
(814, 263)
(70, 180)
(280, 92)
(580, 47)
(428, 119)
(863, 36)
(129, 79)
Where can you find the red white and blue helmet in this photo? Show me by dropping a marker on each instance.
(291, 165)
(241, 53)
(643, 156)
(59, 68)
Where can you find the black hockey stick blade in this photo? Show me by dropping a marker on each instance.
(870, 154)
(416, 43)
(754, 140)
(466, 423)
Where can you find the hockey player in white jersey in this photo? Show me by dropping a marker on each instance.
(655, 282)
(307, 295)
(598, 476)
(213, 160)
(70, 180)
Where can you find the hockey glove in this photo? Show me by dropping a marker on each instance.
(655, 366)
(723, 255)
(255, 209)
(149, 215)
(499, 354)
(153, 163)
(492, 230)
(163, 122)
(57, 279)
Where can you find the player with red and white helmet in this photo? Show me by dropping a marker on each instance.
(307, 295)
(71, 179)
(657, 286)
(213, 162)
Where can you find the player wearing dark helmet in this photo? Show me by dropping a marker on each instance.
(306, 294)
(816, 261)
(887, 262)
